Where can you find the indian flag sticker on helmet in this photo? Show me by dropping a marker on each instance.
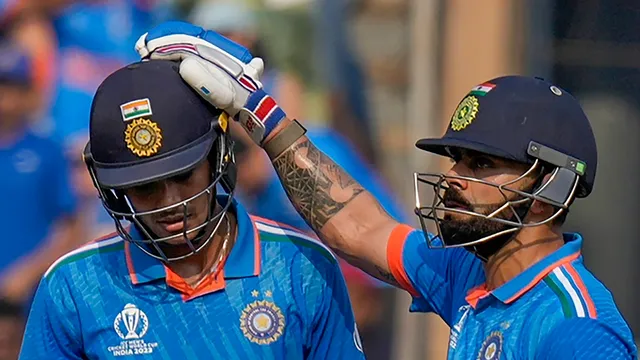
(135, 109)
(482, 89)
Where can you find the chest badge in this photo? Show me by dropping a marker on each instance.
(131, 324)
(262, 321)
(491, 347)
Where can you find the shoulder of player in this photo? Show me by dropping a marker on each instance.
(102, 247)
(291, 241)
(577, 293)
(587, 334)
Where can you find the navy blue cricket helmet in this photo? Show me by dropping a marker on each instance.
(519, 118)
(147, 125)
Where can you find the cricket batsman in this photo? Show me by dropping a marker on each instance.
(499, 270)
(193, 276)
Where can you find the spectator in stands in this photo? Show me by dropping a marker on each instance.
(38, 209)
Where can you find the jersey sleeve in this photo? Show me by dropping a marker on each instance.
(333, 332)
(437, 279)
(53, 329)
(584, 339)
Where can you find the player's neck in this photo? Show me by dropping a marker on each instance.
(195, 268)
(529, 247)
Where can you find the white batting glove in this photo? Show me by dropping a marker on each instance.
(221, 71)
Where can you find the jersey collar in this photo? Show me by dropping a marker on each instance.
(243, 261)
(516, 287)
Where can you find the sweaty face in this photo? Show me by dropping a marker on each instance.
(173, 191)
(481, 198)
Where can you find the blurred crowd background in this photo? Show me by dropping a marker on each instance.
(368, 77)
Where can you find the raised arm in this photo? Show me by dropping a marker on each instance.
(344, 215)
(347, 218)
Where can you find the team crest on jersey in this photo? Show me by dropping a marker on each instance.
(143, 137)
(262, 322)
(465, 113)
(491, 347)
(131, 324)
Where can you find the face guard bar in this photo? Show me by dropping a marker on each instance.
(121, 210)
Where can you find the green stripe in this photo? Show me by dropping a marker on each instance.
(137, 113)
(478, 92)
(569, 311)
(269, 237)
(118, 246)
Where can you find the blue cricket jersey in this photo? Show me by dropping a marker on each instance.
(280, 295)
(556, 309)
(37, 193)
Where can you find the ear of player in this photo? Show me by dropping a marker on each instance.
(221, 71)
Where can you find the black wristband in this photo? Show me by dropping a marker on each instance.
(284, 139)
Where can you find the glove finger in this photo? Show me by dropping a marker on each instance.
(210, 82)
(141, 46)
(170, 28)
(174, 55)
(255, 68)
(221, 59)
(175, 42)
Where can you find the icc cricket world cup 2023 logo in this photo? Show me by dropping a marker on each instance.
(131, 323)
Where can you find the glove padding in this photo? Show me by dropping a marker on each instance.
(227, 76)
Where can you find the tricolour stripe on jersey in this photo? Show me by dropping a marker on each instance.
(111, 242)
(570, 292)
(279, 225)
(556, 287)
(280, 234)
(582, 291)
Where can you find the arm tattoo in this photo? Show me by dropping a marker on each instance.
(316, 185)
(385, 276)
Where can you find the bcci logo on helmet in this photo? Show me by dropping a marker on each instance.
(131, 323)
(465, 113)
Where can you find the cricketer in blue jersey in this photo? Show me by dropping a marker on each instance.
(38, 209)
(499, 269)
(193, 276)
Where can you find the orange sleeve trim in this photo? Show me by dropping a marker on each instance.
(129, 260)
(395, 247)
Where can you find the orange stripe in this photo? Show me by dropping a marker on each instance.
(212, 283)
(395, 246)
(104, 237)
(542, 274)
(137, 103)
(583, 289)
(474, 295)
(132, 271)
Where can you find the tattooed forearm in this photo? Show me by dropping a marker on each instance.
(385, 276)
(316, 185)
